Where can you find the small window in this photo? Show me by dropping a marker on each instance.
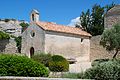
(32, 33)
(81, 39)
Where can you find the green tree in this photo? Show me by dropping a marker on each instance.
(108, 7)
(97, 20)
(93, 21)
(111, 39)
(85, 20)
(24, 26)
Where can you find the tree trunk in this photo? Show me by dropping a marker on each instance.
(115, 54)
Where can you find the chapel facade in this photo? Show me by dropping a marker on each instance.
(48, 37)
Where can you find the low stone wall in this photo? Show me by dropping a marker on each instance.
(35, 78)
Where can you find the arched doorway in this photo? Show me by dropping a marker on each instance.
(31, 51)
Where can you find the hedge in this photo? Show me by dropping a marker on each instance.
(58, 64)
(105, 71)
(42, 58)
(98, 61)
(13, 65)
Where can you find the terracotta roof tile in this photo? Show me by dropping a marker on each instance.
(60, 28)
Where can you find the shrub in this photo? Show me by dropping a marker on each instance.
(7, 20)
(117, 60)
(58, 64)
(42, 58)
(105, 71)
(4, 35)
(98, 61)
(13, 65)
(81, 75)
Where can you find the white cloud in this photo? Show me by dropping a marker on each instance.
(74, 21)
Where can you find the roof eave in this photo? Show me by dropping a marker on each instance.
(71, 33)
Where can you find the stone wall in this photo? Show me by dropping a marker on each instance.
(67, 45)
(112, 17)
(34, 78)
(109, 21)
(8, 46)
(97, 51)
(37, 42)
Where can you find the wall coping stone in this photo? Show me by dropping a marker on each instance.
(35, 78)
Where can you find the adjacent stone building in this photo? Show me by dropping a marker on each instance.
(112, 17)
(48, 37)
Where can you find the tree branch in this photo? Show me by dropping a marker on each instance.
(115, 54)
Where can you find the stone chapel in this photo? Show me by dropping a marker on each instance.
(48, 37)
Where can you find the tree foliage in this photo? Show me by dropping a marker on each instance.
(93, 21)
(85, 20)
(4, 35)
(108, 7)
(24, 26)
(97, 21)
(111, 39)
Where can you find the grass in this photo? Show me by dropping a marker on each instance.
(71, 75)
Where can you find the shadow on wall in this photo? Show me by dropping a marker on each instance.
(3, 44)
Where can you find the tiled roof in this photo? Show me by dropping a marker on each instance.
(60, 28)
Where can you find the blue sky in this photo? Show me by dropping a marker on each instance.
(59, 11)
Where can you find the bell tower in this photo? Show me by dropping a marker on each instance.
(34, 16)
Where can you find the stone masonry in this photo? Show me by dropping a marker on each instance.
(8, 46)
(112, 17)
